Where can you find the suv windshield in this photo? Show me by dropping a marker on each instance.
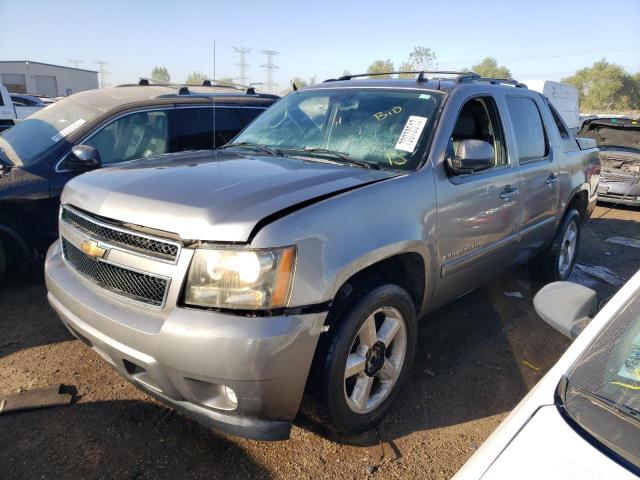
(603, 388)
(386, 128)
(28, 140)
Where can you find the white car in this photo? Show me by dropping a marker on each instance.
(7, 111)
(26, 105)
(582, 420)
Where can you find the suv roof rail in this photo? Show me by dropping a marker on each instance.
(420, 73)
(494, 81)
(464, 76)
(183, 89)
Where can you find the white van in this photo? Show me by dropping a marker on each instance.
(7, 110)
(562, 96)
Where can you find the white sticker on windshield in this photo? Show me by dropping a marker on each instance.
(411, 133)
(630, 369)
(68, 130)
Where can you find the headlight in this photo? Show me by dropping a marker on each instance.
(240, 279)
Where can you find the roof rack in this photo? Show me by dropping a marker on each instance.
(465, 76)
(183, 89)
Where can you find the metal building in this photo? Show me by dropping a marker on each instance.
(37, 78)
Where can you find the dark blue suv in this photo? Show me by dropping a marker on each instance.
(97, 128)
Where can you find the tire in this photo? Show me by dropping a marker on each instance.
(556, 263)
(336, 402)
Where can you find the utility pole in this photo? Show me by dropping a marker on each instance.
(103, 72)
(270, 67)
(76, 62)
(242, 65)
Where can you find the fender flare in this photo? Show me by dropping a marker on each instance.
(385, 252)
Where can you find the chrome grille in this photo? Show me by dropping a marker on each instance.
(113, 234)
(135, 285)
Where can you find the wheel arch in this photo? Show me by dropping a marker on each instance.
(407, 264)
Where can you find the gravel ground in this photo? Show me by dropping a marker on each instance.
(476, 359)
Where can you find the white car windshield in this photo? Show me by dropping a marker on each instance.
(603, 388)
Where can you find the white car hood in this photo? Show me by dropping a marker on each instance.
(548, 448)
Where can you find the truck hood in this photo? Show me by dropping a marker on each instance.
(211, 196)
(613, 132)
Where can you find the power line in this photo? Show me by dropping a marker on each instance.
(102, 71)
(75, 62)
(242, 65)
(270, 67)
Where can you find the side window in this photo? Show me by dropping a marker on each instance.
(138, 135)
(227, 125)
(479, 119)
(564, 133)
(247, 115)
(529, 132)
(193, 128)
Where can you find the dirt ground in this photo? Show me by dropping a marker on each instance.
(476, 359)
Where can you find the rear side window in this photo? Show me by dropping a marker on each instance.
(527, 124)
(248, 114)
(194, 127)
(558, 120)
(227, 125)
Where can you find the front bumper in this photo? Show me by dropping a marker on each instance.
(186, 357)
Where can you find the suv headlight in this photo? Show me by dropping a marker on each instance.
(240, 279)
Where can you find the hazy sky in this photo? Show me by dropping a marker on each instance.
(536, 39)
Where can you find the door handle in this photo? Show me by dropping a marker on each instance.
(508, 193)
(551, 179)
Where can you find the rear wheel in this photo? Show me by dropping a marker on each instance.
(362, 364)
(556, 263)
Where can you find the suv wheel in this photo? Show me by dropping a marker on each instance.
(556, 263)
(362, 364)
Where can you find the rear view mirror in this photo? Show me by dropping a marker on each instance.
(566, 306)
(83, 157)
(472, 156)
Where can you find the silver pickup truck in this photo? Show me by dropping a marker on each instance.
(288, 269)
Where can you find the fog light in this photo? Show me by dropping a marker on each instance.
(231, 395)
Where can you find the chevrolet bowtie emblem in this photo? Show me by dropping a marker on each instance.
(92, 249)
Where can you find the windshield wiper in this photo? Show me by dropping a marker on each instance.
(623, 411)
(255, 146)
(338, 156)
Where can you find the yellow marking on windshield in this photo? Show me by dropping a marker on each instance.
(382, 115)
(626, 385)
(395, 159)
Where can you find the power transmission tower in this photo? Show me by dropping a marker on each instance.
(242, 65)
(103, 72)
(270, 67)
(75, 62)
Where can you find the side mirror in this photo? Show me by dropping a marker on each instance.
(83, 157)
(472, 156)
(566, 306)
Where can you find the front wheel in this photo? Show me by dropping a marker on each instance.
(361, 366)
(556, 263)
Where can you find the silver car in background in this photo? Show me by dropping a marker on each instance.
(295, 261)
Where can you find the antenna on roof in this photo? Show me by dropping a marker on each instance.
(213, 97)
(295, 87)
(206, 83)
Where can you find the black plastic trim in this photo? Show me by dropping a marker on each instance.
(268, 312)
